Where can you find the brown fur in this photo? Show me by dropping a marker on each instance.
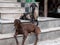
(24, 29)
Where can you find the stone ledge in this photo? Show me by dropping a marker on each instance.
(51, 29)
(49, 42)
(40, 19)
(8, 0)
(10, 4)
(17, 2)
(12, 10)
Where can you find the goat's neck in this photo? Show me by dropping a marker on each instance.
(20, 26)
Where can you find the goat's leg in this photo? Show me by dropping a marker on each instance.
(15, 36)
(24, 38)
(37, 31)
(36, 39)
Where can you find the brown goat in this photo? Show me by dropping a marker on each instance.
(22, 28)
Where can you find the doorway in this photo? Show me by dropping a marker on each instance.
(41, 7)
(52, 8)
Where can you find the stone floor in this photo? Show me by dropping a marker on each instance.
(49, 42)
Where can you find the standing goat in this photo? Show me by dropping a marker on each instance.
(25, 29)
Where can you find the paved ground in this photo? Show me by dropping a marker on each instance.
(49, 42)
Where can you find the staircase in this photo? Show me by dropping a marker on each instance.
(10, 9)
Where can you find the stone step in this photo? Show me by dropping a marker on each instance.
(16, 4)
(8, 0)
(10, 4)
(47, 33)
(8, 39)
(49, 42)
(11, 15)
(11, 7)
(49, 23)
(44, 23)
(12, 10)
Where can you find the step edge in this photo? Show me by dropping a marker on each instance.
(40, 20)
(10, 35)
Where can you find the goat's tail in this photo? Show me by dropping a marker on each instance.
(36, 22)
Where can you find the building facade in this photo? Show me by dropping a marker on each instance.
(50, 8)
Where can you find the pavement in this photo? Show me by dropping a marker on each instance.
(49, 42)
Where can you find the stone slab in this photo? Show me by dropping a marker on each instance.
(12, 10)
(8, 0)
(45, 24)
(10, 4)
(8, 39)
